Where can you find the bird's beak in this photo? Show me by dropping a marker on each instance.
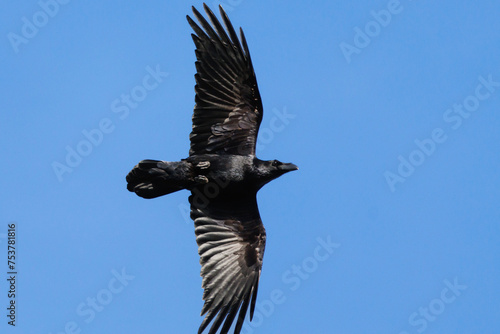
(288, 167)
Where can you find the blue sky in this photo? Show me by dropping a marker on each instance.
(390, 109)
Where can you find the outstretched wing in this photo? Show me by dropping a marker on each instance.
(231, 241)
(228, 108)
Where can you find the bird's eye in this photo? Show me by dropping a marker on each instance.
(276, 163)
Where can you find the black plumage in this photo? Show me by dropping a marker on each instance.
(222, 173)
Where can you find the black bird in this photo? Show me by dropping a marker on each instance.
(222, 173)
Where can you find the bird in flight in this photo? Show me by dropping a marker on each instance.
(222, 173)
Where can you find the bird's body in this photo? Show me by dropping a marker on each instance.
(222, 173)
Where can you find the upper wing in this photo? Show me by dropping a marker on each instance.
(228, 108)
(231, 241)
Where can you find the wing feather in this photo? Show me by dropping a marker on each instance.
(228, 109)
(231, 242)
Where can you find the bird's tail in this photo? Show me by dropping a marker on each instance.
(153, 178)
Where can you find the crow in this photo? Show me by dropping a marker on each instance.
(222, 173)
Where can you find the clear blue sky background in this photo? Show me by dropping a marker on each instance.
(402, 181)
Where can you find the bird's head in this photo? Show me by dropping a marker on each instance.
(271, 169)
(279, 168)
